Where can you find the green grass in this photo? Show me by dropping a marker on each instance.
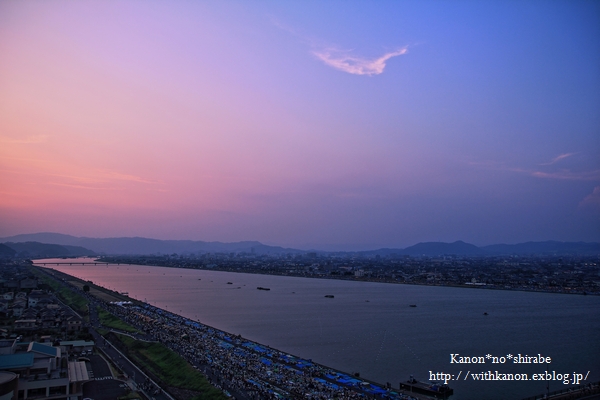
(102, 331)
(110, 321)
(76, 301)
(130, 396)
(170, 368)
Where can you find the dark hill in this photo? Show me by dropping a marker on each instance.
(544, 248)
(440, 248)
(36, 249)
(6, 252)
(145, 246)
(139, 245)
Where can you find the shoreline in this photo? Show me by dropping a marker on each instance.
(363, 385)
(462, 286)
(220, 277)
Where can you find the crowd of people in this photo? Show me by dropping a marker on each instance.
(237, 365)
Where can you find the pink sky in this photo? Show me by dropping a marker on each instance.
(296, 125)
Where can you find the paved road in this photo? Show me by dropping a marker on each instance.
(135, 377)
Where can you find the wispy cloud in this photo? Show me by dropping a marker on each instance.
(82, 186)
(564, 174)
(27, 140)
(558, 158)
(81, 177)
(343, 61)
(127, 177)
(568, 175)
(592, 200)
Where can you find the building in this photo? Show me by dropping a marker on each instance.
(43, 372)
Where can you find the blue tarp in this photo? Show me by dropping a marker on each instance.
(326, 383)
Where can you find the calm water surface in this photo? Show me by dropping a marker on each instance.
(369, 327)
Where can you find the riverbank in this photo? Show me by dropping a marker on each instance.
(545, 278)
(370, 327)
(234, 363)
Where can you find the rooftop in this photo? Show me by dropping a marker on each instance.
(16, 361)
(43, 349)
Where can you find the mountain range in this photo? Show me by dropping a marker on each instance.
(60, 245)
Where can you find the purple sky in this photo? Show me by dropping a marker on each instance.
(332, 125)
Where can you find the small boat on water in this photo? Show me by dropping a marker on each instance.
(329, 296)
(412, 305)
(230, 283)
(485, 313)
(263, 288)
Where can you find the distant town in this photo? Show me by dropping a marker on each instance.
(78, 329)
(559, 274)
(65, 338)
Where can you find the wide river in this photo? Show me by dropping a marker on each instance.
(370, 328)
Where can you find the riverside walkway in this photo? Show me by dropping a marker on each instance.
(248, 369)
(242, 369)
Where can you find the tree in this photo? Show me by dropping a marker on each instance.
(86, 288)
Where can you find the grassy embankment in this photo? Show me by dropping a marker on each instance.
(162, 362)
(110, 321)
(170, 368)
(76, 301)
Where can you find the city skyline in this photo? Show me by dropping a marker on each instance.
(309, 125)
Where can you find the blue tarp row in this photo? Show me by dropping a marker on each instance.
(265, 361)
(378, 389)
(349, 379)
(304, 363)
(260, 349)
(374, 390)
(293, 369)
(326, 383)
(288, 360)
(225, 345)
(252, 382)
(258, 384)
(255, 347)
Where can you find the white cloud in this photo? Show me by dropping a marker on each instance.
(356, 65)
(558, 158)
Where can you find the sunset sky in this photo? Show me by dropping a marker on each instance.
(310, 124)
